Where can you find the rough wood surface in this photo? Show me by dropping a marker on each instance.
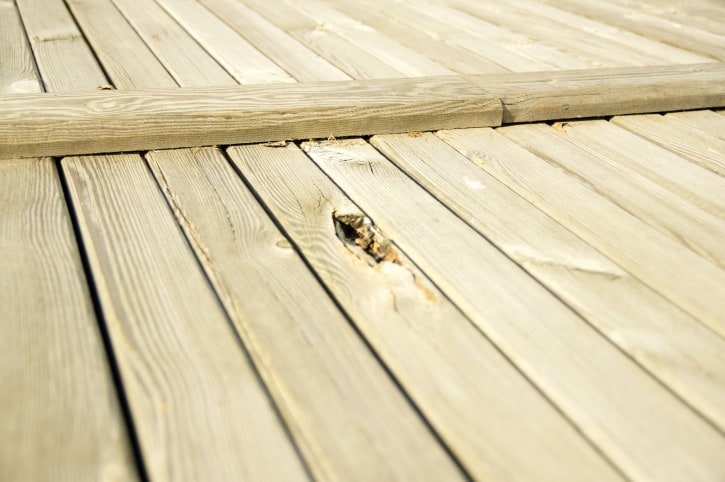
(348, 418)
(670, 344)
(123, 121)
(17, 70)
(199, 410)
(645, 430)
(705, 120)
(60, 417)
(458, 379)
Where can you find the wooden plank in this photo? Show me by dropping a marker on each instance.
(124, 121)
(447, 367)
(299, 61)
(244, 62)
(679, 274)
(573, 94)
(350, 420)
(682, 177)
(684, 222)
(704, 120)
(59, 413)
(182, 57)
(656, 28)
(375, 13)
(633, 316)
(689, 142)
(64, 59)
(198, 407)
(639, 425)
(17, 72)
(125, 57)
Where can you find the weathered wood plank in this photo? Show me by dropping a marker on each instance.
(682, 177)
(17, 70)
(679, 274)
(64, 59)
(670, 344)
(705, 120)
(349, 419)
(124, 121)
(60, 417)
(637, 423)
(689, 142)
(458, 379)
(198, 408)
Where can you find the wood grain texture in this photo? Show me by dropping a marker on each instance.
(573, 94)
(462, 384)
(639, 425)
(64, 59)
(670, 344)
(680, 176)
(689, 142)
(59, 413)
(180, 54)
(198, 408)
(348, 418)
(676, 272)
(17, 71)
(705, 120)
(124, 121)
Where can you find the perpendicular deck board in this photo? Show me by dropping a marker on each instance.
(300, 62)
(676, 272)
(689, 142)
(683, 221)
(124, 55)
(348, 418)
(670, 344)
(197, 406)
(17, 70)
(682, 177)
(180, 54)
(456, 377)
(647, 432)
(123, 121)
(65, 61)
(705, 120)
(60, 417)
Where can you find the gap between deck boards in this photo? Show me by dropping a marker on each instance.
(117, 121)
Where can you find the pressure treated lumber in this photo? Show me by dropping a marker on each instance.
(639, 425)
(448, 368)
(126, 121)
(196, 402)
(705, 120)
(60, 418)
(17, 69)
(349, 419)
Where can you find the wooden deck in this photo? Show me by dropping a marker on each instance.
(532, 302)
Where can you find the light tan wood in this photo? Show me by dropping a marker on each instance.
(348, 418)
(652, 26)
(601, 92)
(245, 63)
(683, 221)
(448, 368)
(124, 55)
(299, 61)
(198, 408)
(689, 142)
(379, 14)
(182, 57)
(125, 121)
(17, 71)
(664, 264)
(64, 59)
(671, 345)
(705, 120)
(60, 417)
(638, 424)
(682, 177)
